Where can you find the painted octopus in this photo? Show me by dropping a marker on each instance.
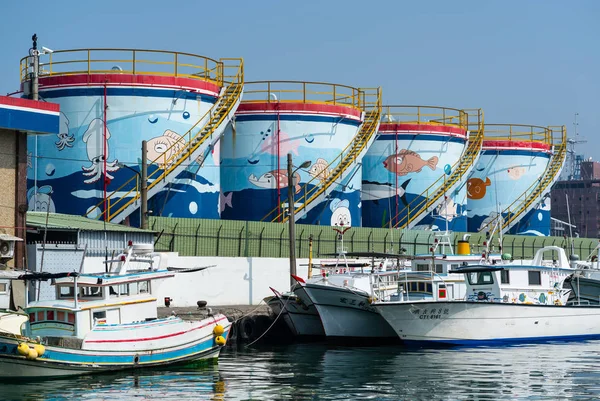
(93, 138)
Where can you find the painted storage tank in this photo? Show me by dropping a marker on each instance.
(513, 161)
(421, 153)
(110, 101)
(314, 122)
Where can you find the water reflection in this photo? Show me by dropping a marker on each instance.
(321, 372)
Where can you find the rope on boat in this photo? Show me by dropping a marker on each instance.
(274, 321)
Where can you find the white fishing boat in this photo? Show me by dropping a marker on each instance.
(298, 312)
(106, 322)
(505, 303)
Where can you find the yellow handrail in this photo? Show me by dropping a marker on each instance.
(184, 147)
(517, 132)
(474, 121)
(125, 61)
(346, 157)
(557, 137)
(435, 115)
(302, 92)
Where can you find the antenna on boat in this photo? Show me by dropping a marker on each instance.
(572, 246)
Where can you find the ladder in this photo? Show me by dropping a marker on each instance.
(435, 194)
(540, 188)
(198, 139)
(344, 165)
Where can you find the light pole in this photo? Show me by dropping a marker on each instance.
(291, 206)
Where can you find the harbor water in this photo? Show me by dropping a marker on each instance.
(549, 371)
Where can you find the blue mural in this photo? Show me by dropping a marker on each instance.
(73, 167)
(399, 166)
(254, 177)
(499, 179)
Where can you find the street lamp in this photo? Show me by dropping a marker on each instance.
(291, 172)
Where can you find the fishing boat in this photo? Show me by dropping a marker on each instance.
(505, 303)
(106, 322)
(298, 312)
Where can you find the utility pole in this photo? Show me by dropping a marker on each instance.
(36, 68)
(291, 220)
(144, 186)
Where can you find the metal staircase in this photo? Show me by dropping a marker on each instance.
(198, 139)
(435, 194)
(540, 188)
(343, 166)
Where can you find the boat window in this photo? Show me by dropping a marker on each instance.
(422, 267)
(143, 287)
(504, 277)
(413, 287)
(71, 317)
(429, 290)
(124, 289)
(40, 316)
(60, 316)
(480, 278)
(3, 288)
(454, 266)
(50, 315)
(99, 315)
(31, 317)
(421, 287)
(535, 278)
(91, 292)
(439, 268)
(66, 292)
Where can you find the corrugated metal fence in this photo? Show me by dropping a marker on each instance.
(204, 237)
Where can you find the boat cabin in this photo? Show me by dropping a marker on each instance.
(540, 282)
(126, 294)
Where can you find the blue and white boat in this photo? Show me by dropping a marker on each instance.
(106, 322)
(513, 302)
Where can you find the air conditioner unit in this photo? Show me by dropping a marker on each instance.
(7, 246)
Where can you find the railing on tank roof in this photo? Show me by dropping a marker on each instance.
(302, 92)
(125, 61)
(518, 132)
(432, 115)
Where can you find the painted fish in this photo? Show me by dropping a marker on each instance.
(319, 170)
(447, 209)
(162, 148)
(374, 191)
(406, 161)
(516, 172)
(476, 187)
(275, 179)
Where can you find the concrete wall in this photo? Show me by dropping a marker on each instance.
(231, 281)
(8, 164)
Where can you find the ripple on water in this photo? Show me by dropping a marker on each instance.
(320, 372)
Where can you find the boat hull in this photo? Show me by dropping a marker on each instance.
(479, 323)
(347, 313)
(119, 353)
(301, 317)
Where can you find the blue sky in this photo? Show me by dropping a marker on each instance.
(524, 61)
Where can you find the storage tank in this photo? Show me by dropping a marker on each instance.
(315, 122)
(513, 161)
(414, 173)
(111, 100)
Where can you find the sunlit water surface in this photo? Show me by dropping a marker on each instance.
(321, 372)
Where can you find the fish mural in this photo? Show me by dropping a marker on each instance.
(39, 200)
(447, 209)
(95, 143)
(514, 173)
(164, 147)
(476, 187)
(341, 213)
(373, 191)
(275, 179)
(279, 144)
(406, 161)
(320, 170)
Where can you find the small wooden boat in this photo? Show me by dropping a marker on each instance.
(106, 322)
